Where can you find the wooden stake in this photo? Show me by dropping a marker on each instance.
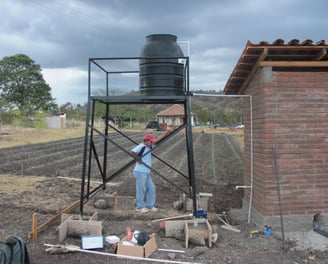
(34, 233)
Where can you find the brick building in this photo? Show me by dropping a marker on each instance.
(288, 136)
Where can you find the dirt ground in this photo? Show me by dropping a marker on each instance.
(45, 179)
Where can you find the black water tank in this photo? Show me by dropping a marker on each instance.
(163, 75)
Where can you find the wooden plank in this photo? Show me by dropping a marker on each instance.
(172, 217)
(173, 227)
(227, 226)
(203, 229)
(62, 229)
(56, 217)
(94, 217)
(64, 217)
(254, 69)
(72, 225)
(322, 53)
(293, 63)
(286, 47)
(199, 230)
(34, 233)
(210, 232)
(231, 228)
(186, 234)
(79, 227)
(150, 246)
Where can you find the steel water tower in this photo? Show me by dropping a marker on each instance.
(163, 73)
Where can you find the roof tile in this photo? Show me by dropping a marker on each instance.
(279, 55)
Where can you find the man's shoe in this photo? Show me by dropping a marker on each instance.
(154, 209)
(142, 210)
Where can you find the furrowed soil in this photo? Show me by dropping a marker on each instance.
(43, 175)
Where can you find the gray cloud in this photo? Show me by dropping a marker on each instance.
(62, 34)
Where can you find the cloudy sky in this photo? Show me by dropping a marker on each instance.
(61, 35)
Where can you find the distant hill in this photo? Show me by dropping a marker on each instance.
(217, 100)
(210, 106)
(211, 101)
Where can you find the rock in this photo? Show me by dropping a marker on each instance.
(180, 235)
(100, 204)
(215, 237)
(197, 240)
(178, 205)
(319, 225)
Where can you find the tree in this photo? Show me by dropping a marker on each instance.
(22, 85)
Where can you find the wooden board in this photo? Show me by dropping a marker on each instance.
(72, 225)
(203, 229)
(62, 230)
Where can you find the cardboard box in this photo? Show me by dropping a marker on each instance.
(138, 251)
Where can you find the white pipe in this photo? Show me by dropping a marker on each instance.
(118, 255)
(252, 175)
(221, 95)
(171, 250)
(188, 45)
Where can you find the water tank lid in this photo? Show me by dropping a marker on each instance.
(161, 45)
(161, 37)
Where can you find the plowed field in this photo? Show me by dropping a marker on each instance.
(45, 178)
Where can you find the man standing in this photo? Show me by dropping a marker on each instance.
(145, 187)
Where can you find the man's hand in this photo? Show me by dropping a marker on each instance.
(136, 156)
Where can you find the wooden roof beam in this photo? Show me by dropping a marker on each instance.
(238, 79)
(292, 56)
(298, 47)
(322, 53)
(293, 64)
(251, 73)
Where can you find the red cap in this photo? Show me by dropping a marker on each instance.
(149, 137)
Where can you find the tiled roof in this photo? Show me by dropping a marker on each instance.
(174, 110)
(280, 56)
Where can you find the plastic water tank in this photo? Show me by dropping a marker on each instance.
(163, 75)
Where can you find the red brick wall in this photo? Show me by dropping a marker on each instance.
(290, 111)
